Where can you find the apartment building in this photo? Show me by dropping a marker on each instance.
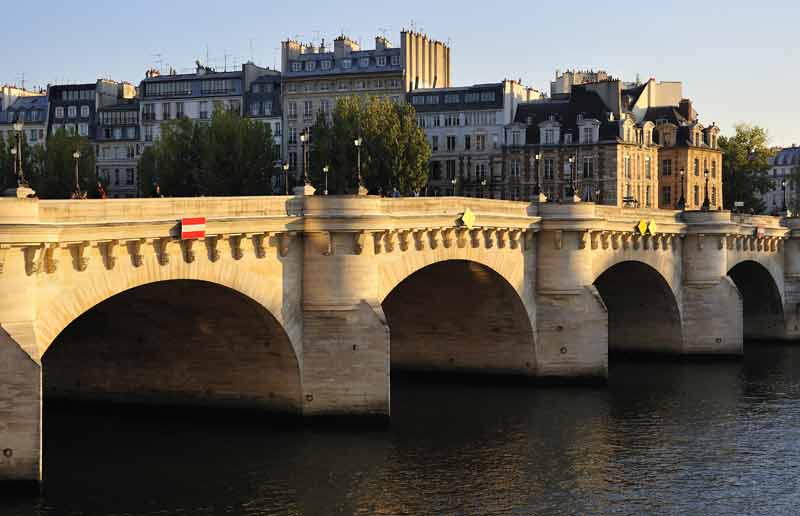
(118, 147)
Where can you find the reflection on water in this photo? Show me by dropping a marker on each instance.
(663, 438)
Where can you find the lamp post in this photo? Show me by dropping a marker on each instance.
(571, 189)
(706, 205)
(304, 136)
(783, 190)
(14, 159)
(77, 156)
(453, 182)
(19, 172)
(325, 170)
(285, 168)
(483, 188)
(538, 159)
(682, 199)
(358, 142)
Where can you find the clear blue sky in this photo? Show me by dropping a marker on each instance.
(738, 60)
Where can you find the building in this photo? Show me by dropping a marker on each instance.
(74, 106)
(565, 81)
(262, 100)
(465, 128)
(783, 194)
(31, 111)
(118, 144)
(316, 77)
(9, 94)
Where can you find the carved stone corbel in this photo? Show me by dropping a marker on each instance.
(730, 241)
(358, 242)
(235, 244)
(501, 237)
(461, 237)
(637, 241)
(594, 238)
(558, 238)
(108, 251)
(327, 243)
(604, 239)
(284, 243)
(187, 250)
(773, 245)
(513, 238)
(402, 237)
(34, 255)
(160, 247)
(615, 240)
(50, 262)
(759, 244)
(433, 237)
(489, 237)
(626, 241)
(583, 236)
(377, 239)
(212, 246)
(3, 253)
(389, 241)
(752, 243)
(419, 239)
(475, 237)
(259, 244)
(721, 242)
(447, 237)
(135, 251)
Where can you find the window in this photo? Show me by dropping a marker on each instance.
(363, 62)
(666, 196)
(292, 110)
(59, 112)
(148, 133)
(347, 64)
(297, 66)
(293, 160)
(549, 137)
(256, 88)
(515, 138)
(647, 169)
(480, 142)
(218, 86)
(548, 168)
(472, 97)
(116, 176)
(515, 168)
(343, 85)
(467, 142)
(647, 196)
(277, 129)
(311, 66)
(626, 161)
(450, 168)
(432, 99)
(325, 106)
(395, 60)
(487, 96)
(128, 176)
(84, 111)
(713, 168)
(34, 135)
(381, 60)
(83, 129)
(451, 143)
(418, 100)
(436, 170)
(587, 135)
(167, 89)
(308, 107)
(179, 110)
(568, 139)
(292, 138)
(72, 111)
(666, 167)
(118, 133)
(714, 195)
(696, 167)
(588, 167)
(203, 104)
(435, 143)
(255, 108)
(480, 171)
(696, 195)
(325, 64)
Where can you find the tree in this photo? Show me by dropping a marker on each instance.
(51, 170)
(229, 156)
(394, 152)
(745, 159)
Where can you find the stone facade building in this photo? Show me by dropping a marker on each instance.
(782, 165)
(31, 110)
(118, 142)
(262, 100)
(465, 128)
(316, 77)
(74, 107)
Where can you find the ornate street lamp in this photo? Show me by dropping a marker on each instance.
(304, 138)
(682, 200)
(358, 142)
(77, 156)
(18, 170)
(325, 170)
(538, 188)
(453, 182)
(285, 168)
(483, 188)
(783, 189)
(706, 205)
(14, 159)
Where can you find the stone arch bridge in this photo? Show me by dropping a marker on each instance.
(306, 304)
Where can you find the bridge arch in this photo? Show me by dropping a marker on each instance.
(643, 310)
(762, 299)
(177, 341)
(460, 315)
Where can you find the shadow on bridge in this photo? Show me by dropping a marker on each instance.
(643, 313)
(761, 299)
(462, 317)
(176, 342)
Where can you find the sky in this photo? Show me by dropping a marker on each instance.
(739, 61)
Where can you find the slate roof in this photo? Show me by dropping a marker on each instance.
(787, 156)
(668, 113)
(33, 102)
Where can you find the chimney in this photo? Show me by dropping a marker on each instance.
(685, 109)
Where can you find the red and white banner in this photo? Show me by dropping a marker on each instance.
(194, 227)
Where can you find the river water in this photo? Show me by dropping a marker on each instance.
(664, 437)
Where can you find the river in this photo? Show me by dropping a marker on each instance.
(663, 437)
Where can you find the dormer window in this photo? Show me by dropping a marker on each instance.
(363, 62)
(587, 135)
(297, 66)
(381, 60)
(395, 60)
(311, 66)
(325, 65)
(347, 64)
(568, 139)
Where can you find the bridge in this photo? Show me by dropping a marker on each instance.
(305, 305)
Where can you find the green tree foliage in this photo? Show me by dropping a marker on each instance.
(230, 156)
(394, 152)
(50, 169)
(745, 162)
